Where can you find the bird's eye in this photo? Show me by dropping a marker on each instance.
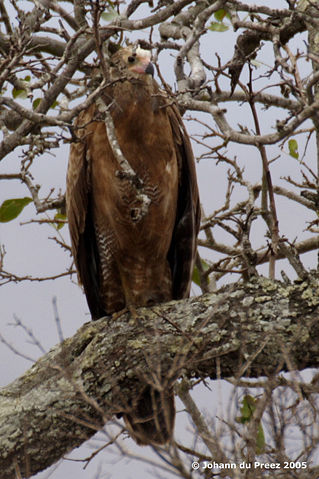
(131, 59)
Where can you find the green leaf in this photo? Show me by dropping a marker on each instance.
(60, 216)
(22, 92)
(36, 103)
(19, 93)
(218, 27)
(247, 410)
(293, 148)
(196, 275)
(54, 104)
(109, 15)
(260, 440)
(10, 209)
(221, 14)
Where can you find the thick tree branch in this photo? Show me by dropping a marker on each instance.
(75, 388)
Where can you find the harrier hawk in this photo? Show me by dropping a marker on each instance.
(126, 257)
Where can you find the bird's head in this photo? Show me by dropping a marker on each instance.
(133, 60)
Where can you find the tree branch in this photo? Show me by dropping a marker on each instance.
(74, 389)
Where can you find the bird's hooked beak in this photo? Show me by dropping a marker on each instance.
(150, 69)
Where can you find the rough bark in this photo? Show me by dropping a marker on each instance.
(76, 387)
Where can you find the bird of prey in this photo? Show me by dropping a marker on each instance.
(130, 252)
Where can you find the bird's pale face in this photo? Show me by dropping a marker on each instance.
(136, 61)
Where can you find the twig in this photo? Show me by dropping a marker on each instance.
(126, 172)
(6, 277)
(197, 418)
(271, 221)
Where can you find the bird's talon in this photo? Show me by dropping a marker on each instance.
(118, 314)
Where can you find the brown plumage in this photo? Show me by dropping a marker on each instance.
(124, 260)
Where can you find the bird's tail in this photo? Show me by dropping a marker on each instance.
(152, 416)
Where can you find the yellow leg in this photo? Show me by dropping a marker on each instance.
(128, 309)
(118, 314)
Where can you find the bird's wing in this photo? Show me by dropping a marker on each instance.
(184, 241)
(79, 211)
